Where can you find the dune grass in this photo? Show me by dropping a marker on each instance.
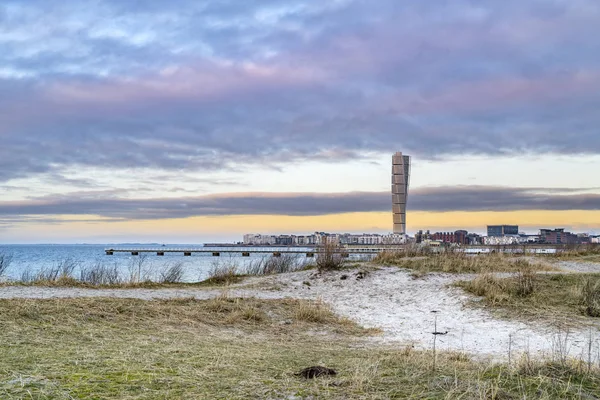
(579, 251)
(587, 252)
(240, 349)
(461, 263)
(562, 299)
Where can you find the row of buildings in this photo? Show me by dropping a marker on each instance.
(319, 238)
(497, 236)
(510, 235)
(506, 235)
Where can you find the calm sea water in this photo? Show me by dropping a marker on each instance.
(32, 258)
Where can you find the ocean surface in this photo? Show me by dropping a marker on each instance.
(29, 259)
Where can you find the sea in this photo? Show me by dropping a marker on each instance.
(29, 259)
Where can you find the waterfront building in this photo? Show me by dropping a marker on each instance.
(557, 236)
(506, 240)
(502, 230)
(458, 237)
(400, 183)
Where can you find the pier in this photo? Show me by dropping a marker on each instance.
(241, 251)
(345, 251)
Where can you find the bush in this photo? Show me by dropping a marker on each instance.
(100, 274)
(60, 273)
(223, 274)
(5, 261)
(138, 270)
(172, 273)
(330, 256)
(275, 265)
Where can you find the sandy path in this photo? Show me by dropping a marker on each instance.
(389, 299)
(579, 266)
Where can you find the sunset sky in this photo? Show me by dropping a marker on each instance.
(191, 121)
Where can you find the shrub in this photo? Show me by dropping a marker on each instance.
(172, 273)
(223, 274)
(5, 261)
(330, 256)
(60, 273)
(138, 270)
(275, 265)
(100, 274)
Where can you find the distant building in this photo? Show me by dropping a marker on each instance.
(259, 240)
(285, 240)
(529, 239)
(557, 236)
(595, 239)
(400, 183)
(421, 236)
(474, 239)
(458, 237)
(584, 238)
(506, 240)
(502, 230)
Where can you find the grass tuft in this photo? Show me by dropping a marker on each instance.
(590, 297)
(316, 311)
(560, 299)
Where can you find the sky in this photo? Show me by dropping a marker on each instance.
(197, 121)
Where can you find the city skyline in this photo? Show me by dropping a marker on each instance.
(197, 121)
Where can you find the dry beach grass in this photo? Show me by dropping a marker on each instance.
(241, 349)
(561, 299)
(224, 347)
(460, 263)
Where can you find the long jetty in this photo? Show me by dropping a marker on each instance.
(243, 251)
(345, 251)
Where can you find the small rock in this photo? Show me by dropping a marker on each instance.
(361, 274)
(307, 283)
(315, 372)
(344, 277)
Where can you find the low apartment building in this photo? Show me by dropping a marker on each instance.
(557, 236)
(458, 237)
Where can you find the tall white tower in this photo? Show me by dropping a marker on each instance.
(400, 182)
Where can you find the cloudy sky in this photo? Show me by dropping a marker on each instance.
(193, 120)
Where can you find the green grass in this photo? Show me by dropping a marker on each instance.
(557, 298)
(239, 349)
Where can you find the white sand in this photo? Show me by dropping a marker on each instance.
(389, 299)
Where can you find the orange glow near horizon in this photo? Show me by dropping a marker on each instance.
(235, 226)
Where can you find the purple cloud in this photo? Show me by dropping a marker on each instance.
(212, 85)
